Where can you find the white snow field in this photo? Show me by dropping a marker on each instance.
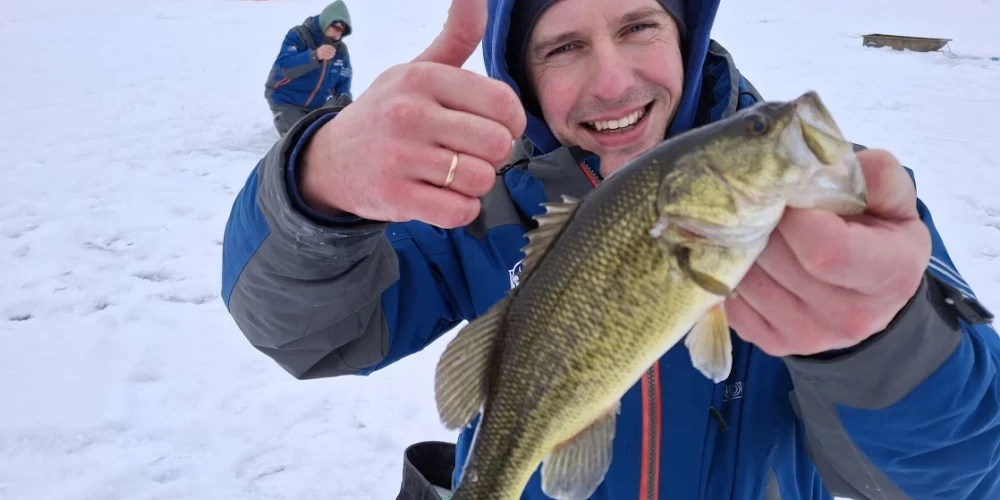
(128, 127)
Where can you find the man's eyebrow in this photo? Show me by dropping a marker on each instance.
(640, 14)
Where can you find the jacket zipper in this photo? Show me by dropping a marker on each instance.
(649, 476)
(650, 487)
(322, 75)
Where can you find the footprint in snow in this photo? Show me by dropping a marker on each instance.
(187, 298)
(357, 423)
(157, 276)
(988, 210)
(114, 431)
(16, 231)
(111, 244)
(143, 375)
(167, 476)
(96, 306)
(180, 211)
(262, 463)
(990, 213)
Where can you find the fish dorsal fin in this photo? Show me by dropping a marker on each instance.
(460, 384)
(575, 468)
(550, 224)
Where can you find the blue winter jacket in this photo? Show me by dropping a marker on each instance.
(297, 78)
(914, 412)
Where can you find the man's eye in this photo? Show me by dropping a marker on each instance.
(639, 27)
(561, 49)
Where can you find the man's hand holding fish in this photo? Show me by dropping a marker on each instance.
(826, 283)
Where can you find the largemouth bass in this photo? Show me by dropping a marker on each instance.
(612, 281)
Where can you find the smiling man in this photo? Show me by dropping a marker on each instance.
(608, 80)
(863, 366)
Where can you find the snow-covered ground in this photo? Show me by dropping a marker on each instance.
(129, 126)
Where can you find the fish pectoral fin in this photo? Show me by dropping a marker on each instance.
(460, 383)
(550, 224)
(703, 280)
(575, 468)
(710, 345)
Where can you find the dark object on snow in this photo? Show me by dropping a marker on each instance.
(427, 471)
(899, 42)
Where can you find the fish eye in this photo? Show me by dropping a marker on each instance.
(757, 125)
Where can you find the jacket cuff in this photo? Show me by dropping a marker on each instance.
(307, 237)
(299, 138)
(887, 366)
(292, 177)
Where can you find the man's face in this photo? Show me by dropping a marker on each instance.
(335, 31)
(608, 75)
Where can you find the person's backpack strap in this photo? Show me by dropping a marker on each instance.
(305, 33)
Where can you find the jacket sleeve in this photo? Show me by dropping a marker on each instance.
(913, 412)
(325, 297)
(295, 59)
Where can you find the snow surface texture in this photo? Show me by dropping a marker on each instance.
(128, 127)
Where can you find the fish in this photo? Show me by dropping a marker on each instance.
(612, 280)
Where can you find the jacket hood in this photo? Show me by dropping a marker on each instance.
(336, 11)
(699, 16)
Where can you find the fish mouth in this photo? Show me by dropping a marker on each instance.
(831, 177)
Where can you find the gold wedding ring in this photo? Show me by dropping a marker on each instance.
(451, 170)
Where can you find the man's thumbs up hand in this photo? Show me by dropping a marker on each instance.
(423, 141)
(460, 36)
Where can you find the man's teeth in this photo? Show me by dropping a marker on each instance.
(619, 123)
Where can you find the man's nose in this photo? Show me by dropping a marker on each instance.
(612, 72)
